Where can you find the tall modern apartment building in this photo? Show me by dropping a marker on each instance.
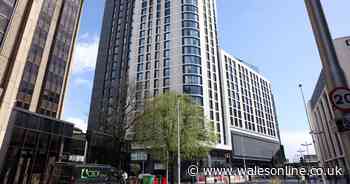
(109, 87)
(173, 46)
(36, 45)
(332, 146)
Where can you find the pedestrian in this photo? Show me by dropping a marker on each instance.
(125, 177)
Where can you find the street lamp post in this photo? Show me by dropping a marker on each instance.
(244, 160)
(178, 143)
(305, 106)
(307, 117)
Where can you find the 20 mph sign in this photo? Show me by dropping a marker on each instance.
(340, 98)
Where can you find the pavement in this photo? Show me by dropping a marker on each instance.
(288, 181)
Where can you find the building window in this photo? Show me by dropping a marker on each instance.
(190, 24)
(6, 12)
(196, 90)
(166, 82)
(167, 28)
(166, 44)
(197, 100)
(190, 16)
(156, 92)
(191, 41)
(192, 2)
(192, 69)
(189, 8)
(190, 32)
(166, 72)
(166, 53)
(140, 67)
(192, 60)
(167, 4)
(192, 79)
(156, 65)
(167, 12)
(147, 85)
(191, 50)
(166, 62)
(147, 75)
(148, 65)
(167, 20)
(156, 83)
(156, 73)
(166, 90)
(140, 76)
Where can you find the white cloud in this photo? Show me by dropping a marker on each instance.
(292, 141)
(85, 53)
(84, 36)
(82, 82)
(78, 122)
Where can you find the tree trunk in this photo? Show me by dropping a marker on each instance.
(173, 168)
(117, 154)
(167, 167)
(172, 175)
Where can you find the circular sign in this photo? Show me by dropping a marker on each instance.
(340, 98)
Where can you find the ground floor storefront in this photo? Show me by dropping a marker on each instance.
(34, 145)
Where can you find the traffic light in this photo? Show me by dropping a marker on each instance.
(228, 157)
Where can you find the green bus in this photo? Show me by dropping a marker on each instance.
(73, 173)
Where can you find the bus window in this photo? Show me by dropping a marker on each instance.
(81, 174)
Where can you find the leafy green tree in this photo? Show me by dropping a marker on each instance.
(157, 129)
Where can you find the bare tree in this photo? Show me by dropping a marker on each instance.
(122, 120)
(114, 126)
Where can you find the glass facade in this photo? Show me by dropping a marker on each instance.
(34, 139)
(36, 145)
(191, 50)
(34, 58)
(117, 55)
(60, 58)
(110, 82)
(6, 11)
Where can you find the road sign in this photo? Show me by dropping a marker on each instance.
(340, 99)
(139, 156)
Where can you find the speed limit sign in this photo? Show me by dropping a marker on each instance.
(340, 98)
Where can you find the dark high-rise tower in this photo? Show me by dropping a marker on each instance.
(37, 38)
(109, 88)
